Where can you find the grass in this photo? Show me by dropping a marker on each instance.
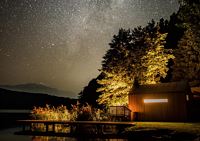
(179, 127)
(166, 130)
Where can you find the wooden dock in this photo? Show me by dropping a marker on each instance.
(74, 126)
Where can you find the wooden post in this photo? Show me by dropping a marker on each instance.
(99, 129)
(23, 127)
(30, 127)
(77, 128)
(47, 127)
(72, 129)
(54, 128)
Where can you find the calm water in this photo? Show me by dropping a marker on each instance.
(15, 111)
(8, 117)
(8, 135)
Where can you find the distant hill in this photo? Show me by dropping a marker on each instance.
(38, 88)
(23, 100)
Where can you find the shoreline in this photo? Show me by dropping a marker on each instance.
(8, 134)
(143, 131)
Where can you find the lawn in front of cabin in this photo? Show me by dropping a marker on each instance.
(165, 130)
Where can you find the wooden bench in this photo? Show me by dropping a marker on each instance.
(97, 124)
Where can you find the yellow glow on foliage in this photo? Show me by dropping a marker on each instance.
(117, 103)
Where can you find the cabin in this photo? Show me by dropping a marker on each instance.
(160, 102)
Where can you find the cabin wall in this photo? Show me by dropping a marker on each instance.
(173, 110)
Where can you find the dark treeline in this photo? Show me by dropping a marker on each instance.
(163, 51)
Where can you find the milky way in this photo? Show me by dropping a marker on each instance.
(60, 43)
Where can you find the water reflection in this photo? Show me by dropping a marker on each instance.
(8, 135)
(9, 111)
(49, 138)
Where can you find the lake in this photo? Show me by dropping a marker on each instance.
(8, 117)
(8, 135)
(15, 111)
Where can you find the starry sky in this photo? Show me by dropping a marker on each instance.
(60, 43)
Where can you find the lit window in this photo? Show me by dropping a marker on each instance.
(155, 100)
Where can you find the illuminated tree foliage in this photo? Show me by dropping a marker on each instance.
(154, 62)
(187, 62)
(117, 66)
(133, 54)
(115, 88)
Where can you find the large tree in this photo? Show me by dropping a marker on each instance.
(154, 62)
(125, 49)
(133, 54)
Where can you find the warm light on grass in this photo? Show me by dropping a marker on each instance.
(184, 127)
(155, 100)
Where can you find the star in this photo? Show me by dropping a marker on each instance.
(64, 41)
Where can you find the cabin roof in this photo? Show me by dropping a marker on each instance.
(172, 87)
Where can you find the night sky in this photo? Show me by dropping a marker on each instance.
(60, 43)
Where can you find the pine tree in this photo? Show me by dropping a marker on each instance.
(187, 61)
(89, 95)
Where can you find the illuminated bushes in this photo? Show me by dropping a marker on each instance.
(50, 113)
(78, 112)
(85, 113)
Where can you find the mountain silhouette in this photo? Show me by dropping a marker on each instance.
(23, 100)
(39, 88)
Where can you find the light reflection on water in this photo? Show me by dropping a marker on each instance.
(47, 138)
(8, 135)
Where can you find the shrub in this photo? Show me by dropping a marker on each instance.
(49, 113)
(85, 113)
(77, 113)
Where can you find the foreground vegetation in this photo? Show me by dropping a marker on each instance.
(77, 113)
